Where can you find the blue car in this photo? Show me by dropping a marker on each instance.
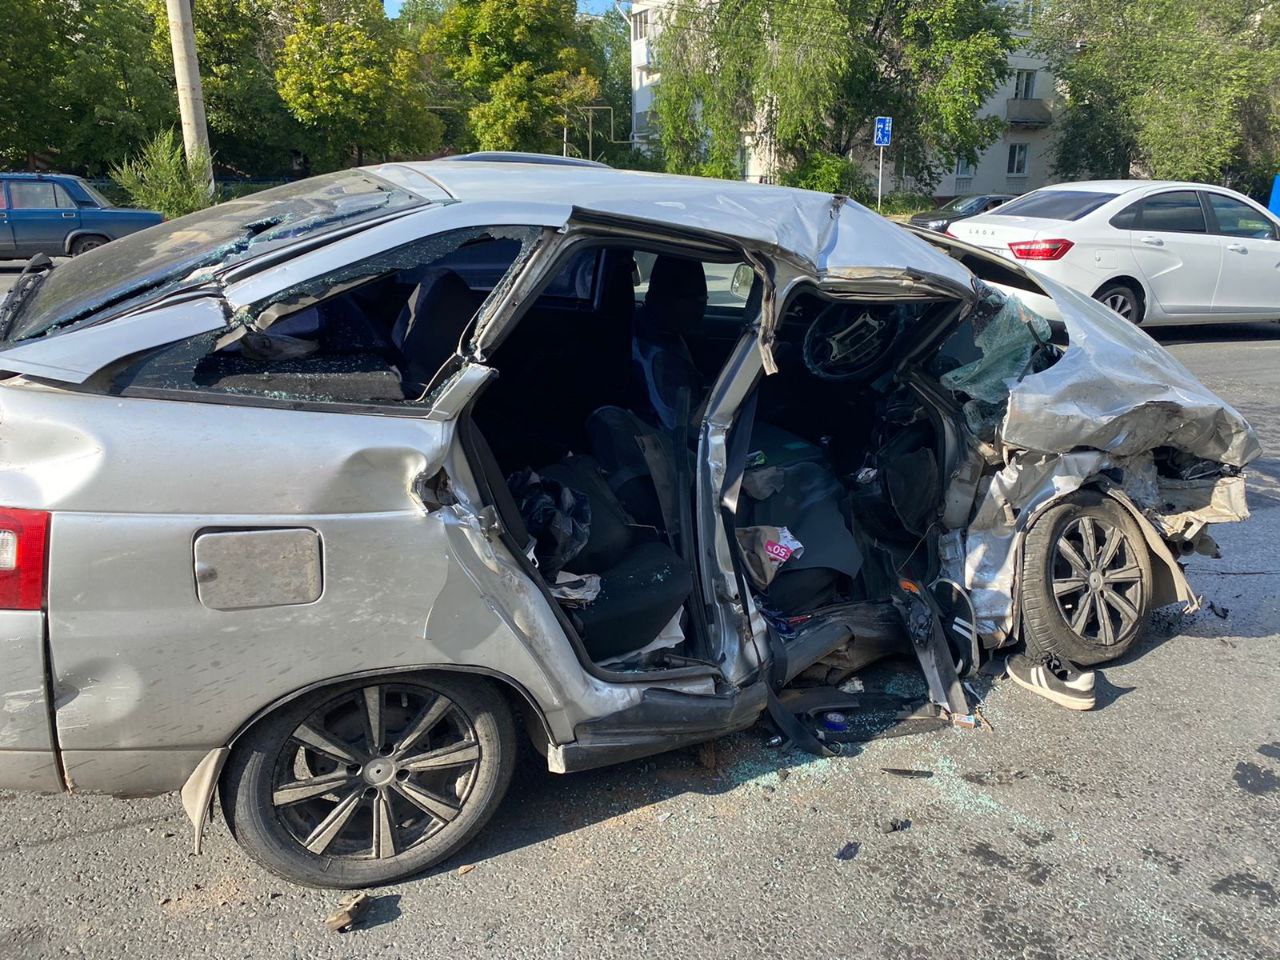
(59, 215)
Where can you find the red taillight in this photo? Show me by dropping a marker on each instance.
(1040, 249)
(23, 537)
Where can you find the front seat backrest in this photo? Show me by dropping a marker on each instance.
(431, 324)
(674, 304)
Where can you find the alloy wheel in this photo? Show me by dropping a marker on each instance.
(376, 771)
(1097, 581)
(1119, 303)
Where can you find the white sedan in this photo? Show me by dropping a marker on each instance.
(1155, 252)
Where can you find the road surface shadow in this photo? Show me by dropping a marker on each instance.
(1215, 333)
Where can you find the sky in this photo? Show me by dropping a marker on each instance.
(586, 6)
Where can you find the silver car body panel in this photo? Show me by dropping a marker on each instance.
(27, 760)
(76, 359)
(140, 664)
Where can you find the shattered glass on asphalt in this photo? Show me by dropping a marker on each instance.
(185, 250)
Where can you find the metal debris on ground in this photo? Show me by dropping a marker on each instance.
(910, 774)
(465, 869)
(1219, 612)
(896, 825)
(350, 909)
(848, 851)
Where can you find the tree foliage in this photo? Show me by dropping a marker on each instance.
(31, 51)
(523, 67)
(805, 78)
(163, 178)
(1171, 89)
(293, 85)
(111, 91)
(343, 72)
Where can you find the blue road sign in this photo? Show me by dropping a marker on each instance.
(884, 131)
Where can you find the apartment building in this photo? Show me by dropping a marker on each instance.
(1019, 160)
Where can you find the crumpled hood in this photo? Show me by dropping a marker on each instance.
(1117, 390)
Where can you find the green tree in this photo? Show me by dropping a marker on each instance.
(32, 49)
(805, 78)
(112, 92)
(250, 129)
(1171, 89)
(609, 43)
(524, 66)
(345, 73)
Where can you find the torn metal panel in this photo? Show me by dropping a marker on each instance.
(1012, 498)
(1185, 507)
(1117, 390)
(197, 792)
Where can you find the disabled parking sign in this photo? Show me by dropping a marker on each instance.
(884, 131)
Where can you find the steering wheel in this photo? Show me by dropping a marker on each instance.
(850, 341)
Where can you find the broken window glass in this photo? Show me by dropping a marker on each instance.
(185, 250)
(1011, 341)
(374, 331)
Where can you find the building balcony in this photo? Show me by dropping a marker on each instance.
(1028, 113)
(642, 54)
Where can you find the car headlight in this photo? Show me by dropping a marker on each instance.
(937, 224)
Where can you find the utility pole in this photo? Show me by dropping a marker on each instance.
(186, 69)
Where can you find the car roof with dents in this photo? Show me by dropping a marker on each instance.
(829, 232)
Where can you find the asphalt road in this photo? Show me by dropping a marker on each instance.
(1147, 828)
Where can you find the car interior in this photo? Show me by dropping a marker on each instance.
(593, 421)
(587, 437)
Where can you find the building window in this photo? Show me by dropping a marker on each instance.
(639, 24)
(1024, 85)
(1017, 160)
(964, 168)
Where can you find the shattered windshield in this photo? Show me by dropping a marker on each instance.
(167, 254)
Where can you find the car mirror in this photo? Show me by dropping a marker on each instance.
(743, 277)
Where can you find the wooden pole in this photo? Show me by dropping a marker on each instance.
(186, 69)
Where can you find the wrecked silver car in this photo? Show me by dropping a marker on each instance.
(318, 500)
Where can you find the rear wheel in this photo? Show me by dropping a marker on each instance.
(86, 243)
(1122, 299)
(1086, 580)
(371, 781)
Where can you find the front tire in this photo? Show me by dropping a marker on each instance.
(1086, 580)
(1121, 299)
(370, 781)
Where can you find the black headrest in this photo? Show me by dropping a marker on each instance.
(677, 296)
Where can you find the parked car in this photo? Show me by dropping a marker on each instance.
(60, 215)
(1153, 251)
(959, 208)
(274, 528)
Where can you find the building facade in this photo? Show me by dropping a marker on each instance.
(1018, 161)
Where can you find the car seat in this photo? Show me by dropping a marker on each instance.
(643, 583)
(430, 326)
(674, 304)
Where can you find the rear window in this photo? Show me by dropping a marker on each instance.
(1054, 204)
(166, 255)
